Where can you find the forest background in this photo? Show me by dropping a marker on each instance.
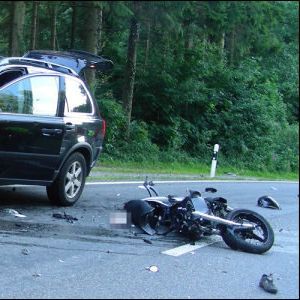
(187, 75)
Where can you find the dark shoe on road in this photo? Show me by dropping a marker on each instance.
(266, 282)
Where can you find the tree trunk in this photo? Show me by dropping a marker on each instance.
(53, 11)
(16, 44)
(90, 42)
(35, 5)
(99, 30)
(147, 43)
(231, 48)
(130, 70)
(222, 42)
(189, 36)
(74, 24)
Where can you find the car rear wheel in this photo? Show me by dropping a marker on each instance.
(68, 186)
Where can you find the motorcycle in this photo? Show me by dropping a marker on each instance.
(195, 216)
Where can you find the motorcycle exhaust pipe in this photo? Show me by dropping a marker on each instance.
(219, 220)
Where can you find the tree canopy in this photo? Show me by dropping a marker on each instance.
(187, 74)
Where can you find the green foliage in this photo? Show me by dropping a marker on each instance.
(221, 72)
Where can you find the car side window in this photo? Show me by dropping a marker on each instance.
(35, 95)
(9, 75)
(77, 99)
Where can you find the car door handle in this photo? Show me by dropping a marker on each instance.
(70, 126)
(51, 131)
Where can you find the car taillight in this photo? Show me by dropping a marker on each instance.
(103, 128)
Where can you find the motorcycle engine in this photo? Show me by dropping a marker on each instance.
(184, 221)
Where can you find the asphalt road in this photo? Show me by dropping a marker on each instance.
(45, 257)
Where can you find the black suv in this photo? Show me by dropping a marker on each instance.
(51, 131)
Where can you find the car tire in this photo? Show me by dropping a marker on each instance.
(69, 184)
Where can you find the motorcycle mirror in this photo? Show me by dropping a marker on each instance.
(210, 189)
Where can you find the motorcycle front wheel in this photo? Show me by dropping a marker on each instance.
(257, 240)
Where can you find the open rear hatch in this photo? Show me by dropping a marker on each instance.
(77, 60)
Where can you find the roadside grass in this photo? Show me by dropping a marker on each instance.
(118, 169)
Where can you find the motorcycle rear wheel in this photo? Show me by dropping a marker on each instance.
(255, 241)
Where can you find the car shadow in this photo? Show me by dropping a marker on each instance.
(23, 196)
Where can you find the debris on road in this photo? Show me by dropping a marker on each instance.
(13, 212)
(268, 202)
(147, 241)
(274, 188)
(36, 275)
(25, 251)
(153, 269)
(266, 282)
(69, 218)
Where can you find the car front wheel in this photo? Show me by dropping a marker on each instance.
(68, 186)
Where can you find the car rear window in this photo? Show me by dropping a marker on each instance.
(77, 98)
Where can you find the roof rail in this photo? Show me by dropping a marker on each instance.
(39, 63)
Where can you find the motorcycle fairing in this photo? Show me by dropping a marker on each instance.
(140, 214)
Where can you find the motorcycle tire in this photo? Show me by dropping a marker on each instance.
(255, 241)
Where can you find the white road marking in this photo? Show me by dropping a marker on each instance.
(186, 181)
(189, 248)
(167, 181)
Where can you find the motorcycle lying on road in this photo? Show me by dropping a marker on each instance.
(195, 216)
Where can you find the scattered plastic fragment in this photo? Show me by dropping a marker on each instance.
(60, 260)
(118, 195)
(25, 251)
(69, 218)
(153, 269)
(36, 275)
(13, 212)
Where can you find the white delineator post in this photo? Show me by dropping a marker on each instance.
(214, 161)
